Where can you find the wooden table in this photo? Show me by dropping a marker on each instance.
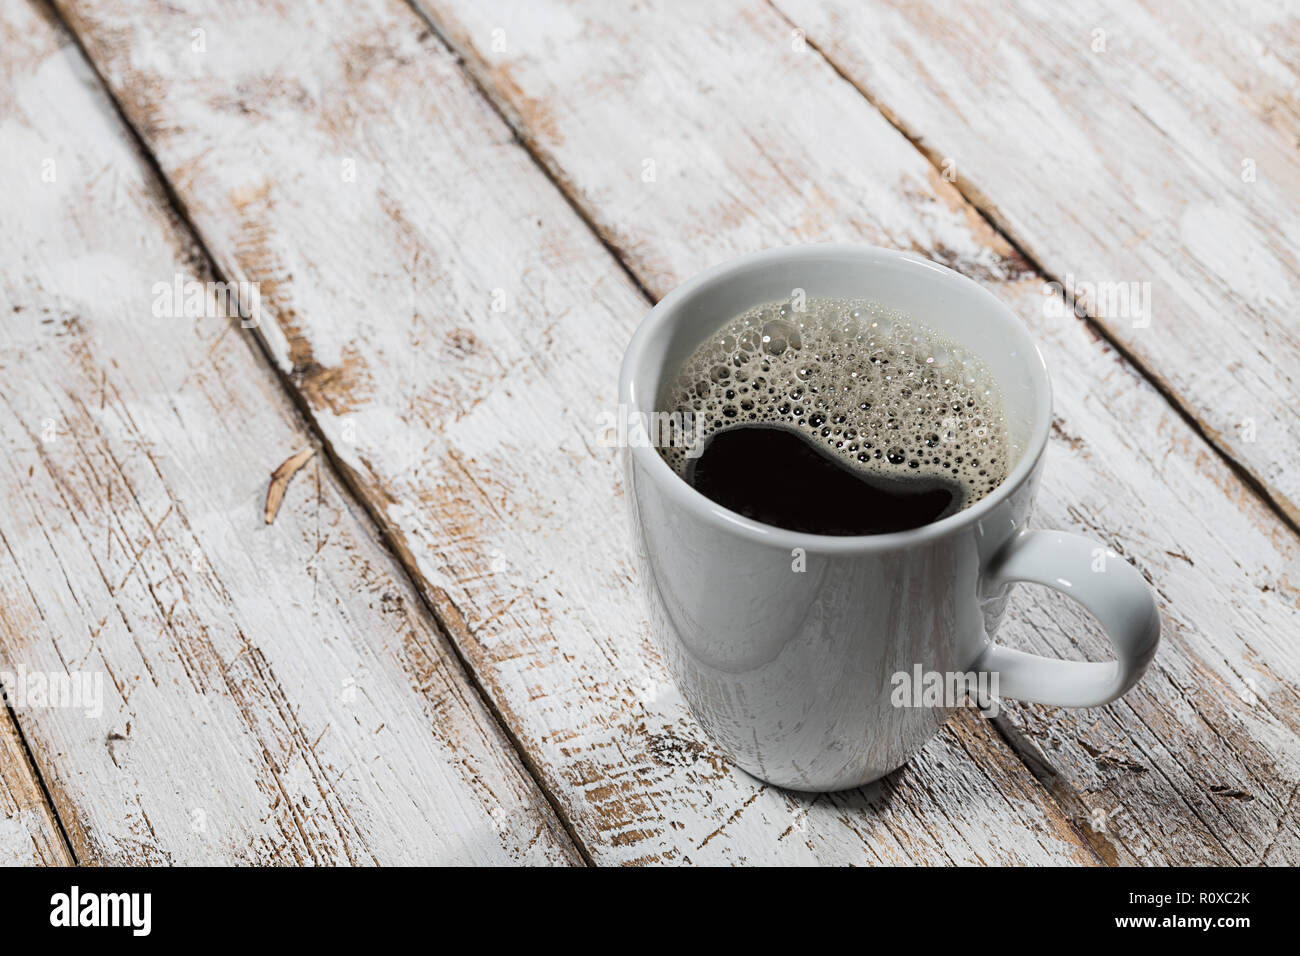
(453, 215)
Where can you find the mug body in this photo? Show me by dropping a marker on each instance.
(792, 649)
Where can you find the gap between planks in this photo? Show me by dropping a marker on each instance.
(28, 763)
(341, 471)
(492, 98)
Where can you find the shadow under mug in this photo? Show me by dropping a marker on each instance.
(792, 649)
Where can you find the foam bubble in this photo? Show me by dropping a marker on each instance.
(889, 395)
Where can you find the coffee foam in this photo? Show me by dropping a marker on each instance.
(866, 383)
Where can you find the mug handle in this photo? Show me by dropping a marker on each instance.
(1116, 595)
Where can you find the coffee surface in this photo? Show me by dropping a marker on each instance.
(810, 489)
(842, 417)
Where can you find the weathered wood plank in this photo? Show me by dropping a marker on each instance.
(269, 694)
(756, 142)
(29, 833)
(472, 430)
(1124, 143)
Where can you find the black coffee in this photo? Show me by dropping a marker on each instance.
(777, 476)
(835, 416)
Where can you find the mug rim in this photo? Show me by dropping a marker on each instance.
(724, 519)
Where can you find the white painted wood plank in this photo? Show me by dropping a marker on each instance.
(270, 694)
(1124, 143)
(472, 432)
(758, 143)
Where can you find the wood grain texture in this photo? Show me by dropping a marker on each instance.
(455, 329)
(1124, 143)
(269, 694)
(29, 833)
(757, 142)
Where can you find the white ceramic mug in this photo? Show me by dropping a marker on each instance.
(794, 673)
